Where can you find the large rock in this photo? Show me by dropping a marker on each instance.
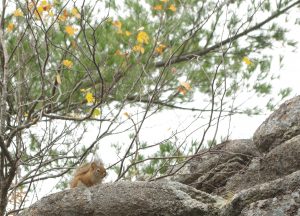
(261, 179)
(287, 204)
(210, 171)
(282, 125)
(236, 165)
(279, 162)
(128, 199)
(278, 197)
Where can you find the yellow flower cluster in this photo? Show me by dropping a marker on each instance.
(118, 25)
(247, 61)
(67, 63)
(10, 27)
(160, 48)
(89, 97)
(184, 88)
(142, 38)
(160, 7)
(70, 30)
(18, 13)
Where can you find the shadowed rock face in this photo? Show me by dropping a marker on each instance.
(237, 177)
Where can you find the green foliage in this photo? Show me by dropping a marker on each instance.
(262, 88)
(93, 49)
(211, 143)
(285, 92)
(161, 161)
(163, 165)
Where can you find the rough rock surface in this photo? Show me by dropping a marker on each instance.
(278, 197)
(237, 177)
(287, 204)
(128, 199)
(211, 171)
(282, 125)
(261, 177)
(280, 161)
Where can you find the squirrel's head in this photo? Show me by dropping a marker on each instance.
(98, 170)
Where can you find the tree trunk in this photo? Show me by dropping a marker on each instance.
(3, 198)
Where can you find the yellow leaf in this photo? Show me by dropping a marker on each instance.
(157, 7)
(186, 85)
(51, 13)
(118, 24)
(65, 13)
(62, 18)
(75, 13)
(38, 12)
(70, 30)
(138, 48)
(247, 60)
(89, 97)
(164, 1)
(30, 6)
(172, 8)
(58, 79)
(40, 9)
(10, 27)
(182, 90)
(46, 6)
(126, 114)
(119, 53)
(96, 112)
(83, 90)
(160, 48)
(67, 63)
(18, 13)
(143, 37)
(127, 33)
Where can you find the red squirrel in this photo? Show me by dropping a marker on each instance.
(88, 175)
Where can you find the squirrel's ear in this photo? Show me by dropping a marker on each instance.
(93, 165)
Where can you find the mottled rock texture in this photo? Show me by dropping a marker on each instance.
(211, 171)
(282, 125)
(128, 199)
